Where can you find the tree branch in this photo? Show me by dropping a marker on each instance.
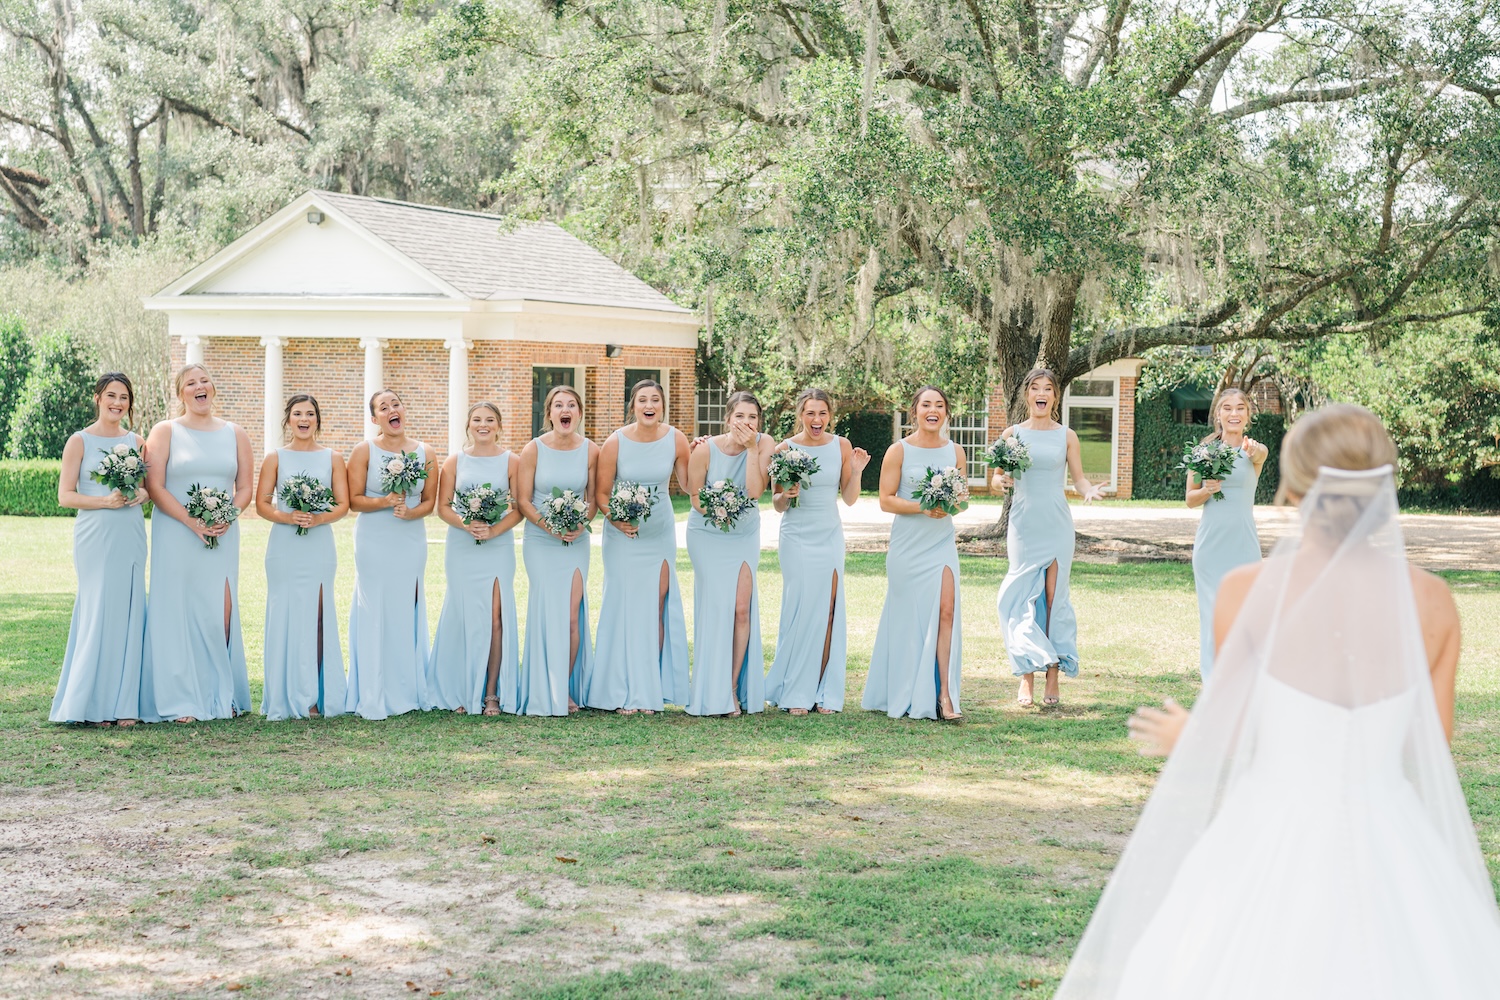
(697, 89)
(909, 70)
(1315, 95)
(1243, 31)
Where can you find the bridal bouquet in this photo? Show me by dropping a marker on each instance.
(123, 469)
(1009, 455)
(723, 502)
(480, 503)
(212, 507)
(1210, 460)
(945, 489)
(630, 503)
(564, 513)
(306, 495)
(403, 474)
(793, 467)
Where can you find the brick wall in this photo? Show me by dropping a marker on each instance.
(1266, 396)
(418, 372)
(1125, 440)
(333, 372)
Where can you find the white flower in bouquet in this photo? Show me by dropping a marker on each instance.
(792, 467)
(123, 449)
(480, 503)
(945, 489)
(403, 474)
(212, 507)
(565, 513)
(307, 495)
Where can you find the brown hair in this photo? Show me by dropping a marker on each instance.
(485, 405)
(1036, 375)
(381, 392)
(302, 397)
(635, 390)
(1341, 436)
(916, 398)
(808, 395)
(743, 396)
(1213, 410)
(547, 403)
(103, 382)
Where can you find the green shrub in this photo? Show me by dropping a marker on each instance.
(55, 400)
(15, 365)
(30, 488)
(871, 431)
(1160, 442)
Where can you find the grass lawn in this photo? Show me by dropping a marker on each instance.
(839, 856)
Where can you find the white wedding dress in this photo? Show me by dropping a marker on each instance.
(1308, 839)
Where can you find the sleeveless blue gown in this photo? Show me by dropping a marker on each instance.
(1041, 532)
(903, 678)
(300, 571)
(546, 677)
(811, 548)
(633, 667)
(459, 664)
(388, 619)
(1226, 539)
(718, 557)
(188, 668)
(101, 670)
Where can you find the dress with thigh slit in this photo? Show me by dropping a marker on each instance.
(1040, 534)
(718, 559)
(1226, 539)
(903, 678)
(388, 618)
(189, 668)
(546, 678)
(101, 671)
(811, 548)
(459, 664)
(641, 655)
(300, 570)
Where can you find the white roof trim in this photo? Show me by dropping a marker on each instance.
(413, 304)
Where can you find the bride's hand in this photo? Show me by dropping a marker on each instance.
(1157, 729)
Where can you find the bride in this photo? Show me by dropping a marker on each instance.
(1308, 837)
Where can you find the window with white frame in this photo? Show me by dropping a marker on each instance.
(711, 409)
(969, 430)
(1091, 407)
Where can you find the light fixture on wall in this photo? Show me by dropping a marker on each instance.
(611, 350)
(315, 217)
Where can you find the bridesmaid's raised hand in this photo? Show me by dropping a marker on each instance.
(859, 458)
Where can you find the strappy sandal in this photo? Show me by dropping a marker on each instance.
(946, 712)
(492, 705)
(796, 711)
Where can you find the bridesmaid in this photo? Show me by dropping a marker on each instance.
(388, 620)
(552, 681)
(1036, 616)
(194, 664)
(808, 670)
(914, 669)
(726, 602)
(641, 656)
(474, 654)
(101, 671)
(304, 657)
(1226, 533)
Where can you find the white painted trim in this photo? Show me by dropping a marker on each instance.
(414, 303)
(1127, 367)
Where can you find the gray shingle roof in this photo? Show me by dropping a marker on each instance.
(484, 259)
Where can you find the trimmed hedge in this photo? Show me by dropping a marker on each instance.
(872, 431)
(29, 487)
(1160, 442)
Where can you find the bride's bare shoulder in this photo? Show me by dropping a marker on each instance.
(1435, 607)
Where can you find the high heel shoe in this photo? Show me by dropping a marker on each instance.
(945, 710)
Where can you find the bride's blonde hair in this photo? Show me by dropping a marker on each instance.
(1341, 436)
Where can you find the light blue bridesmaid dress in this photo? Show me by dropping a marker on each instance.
(546, 678)
(101, 671)
(1226, 539)
(812, 552)
(634, 666)
(903, 678)
(188, 668)
(459, 664)
(388, 619)
(1041, 533)
(718, 556)
(300, 571)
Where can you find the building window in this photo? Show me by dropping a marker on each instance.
(711, 409)
(543, 381)
(1091, 409)
(969, 430)
(634, 375)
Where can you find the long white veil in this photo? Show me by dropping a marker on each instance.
(1332, 614)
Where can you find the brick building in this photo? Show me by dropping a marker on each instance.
(339, 295)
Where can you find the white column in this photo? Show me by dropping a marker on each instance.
(458, 392)
(374, 376)
(193, 345)
(274, 391)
